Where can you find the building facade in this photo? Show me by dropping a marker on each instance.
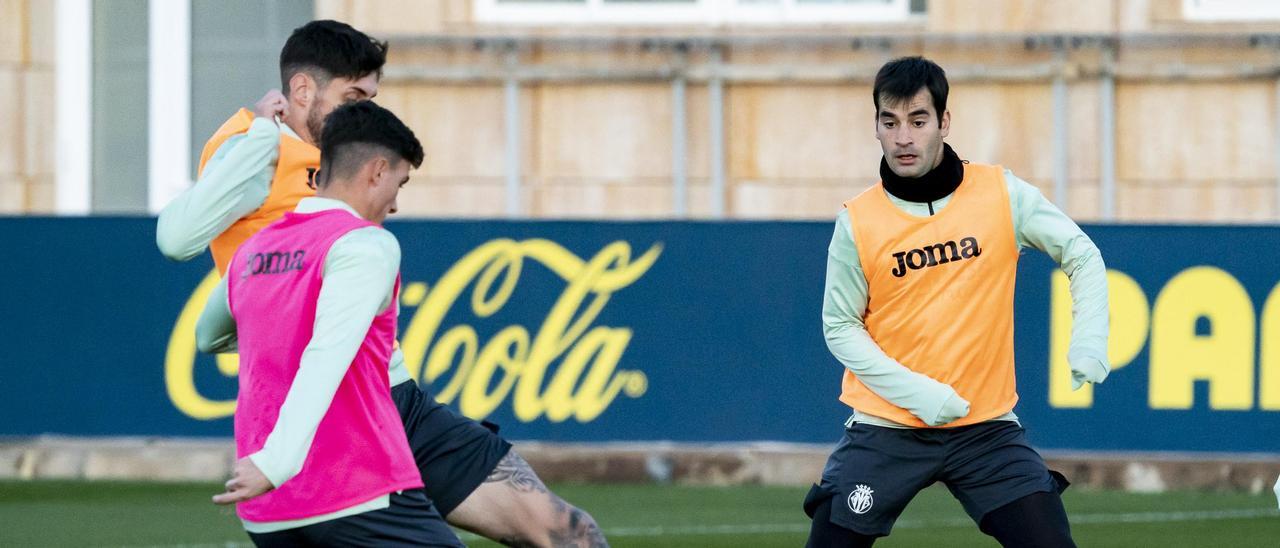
(1120, 110)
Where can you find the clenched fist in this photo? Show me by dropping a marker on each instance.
(271, 105)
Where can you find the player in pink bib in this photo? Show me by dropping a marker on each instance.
(323, 458)
(273, 293)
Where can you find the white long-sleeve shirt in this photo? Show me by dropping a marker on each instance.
(235, 181)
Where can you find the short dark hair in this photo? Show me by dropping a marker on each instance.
(355, 132)
(904, 77)
(330, 49)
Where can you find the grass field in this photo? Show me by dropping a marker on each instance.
(46, 513)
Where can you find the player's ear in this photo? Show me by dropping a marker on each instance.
(945, 123)
(302, 88)
(381, 167)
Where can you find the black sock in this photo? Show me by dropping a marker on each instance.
(1037, 520)
(825, 534)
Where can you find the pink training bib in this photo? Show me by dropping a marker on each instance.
(360, 451)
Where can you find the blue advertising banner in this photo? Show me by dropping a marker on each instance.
(685, 331)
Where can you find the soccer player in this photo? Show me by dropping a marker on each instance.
(918, 307)
(253, 170)
(311, 303)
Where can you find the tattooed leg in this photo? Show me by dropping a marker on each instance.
(517, 509)
(514, 470)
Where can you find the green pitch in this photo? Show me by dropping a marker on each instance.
(48, 513)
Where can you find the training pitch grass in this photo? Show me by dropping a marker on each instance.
(80, 513)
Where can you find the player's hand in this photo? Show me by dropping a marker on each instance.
(1085, 370)
(246, 482)
(271, 105)
(954, 407)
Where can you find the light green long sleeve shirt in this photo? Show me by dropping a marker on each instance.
(235, 182)
(1038, 224)
(359, 276)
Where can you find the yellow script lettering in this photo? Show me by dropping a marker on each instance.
(586, 380)
(180, 358)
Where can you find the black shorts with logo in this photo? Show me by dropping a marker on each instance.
(875, 471)
(410, 520)
(454, 453)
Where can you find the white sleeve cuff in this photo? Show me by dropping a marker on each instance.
(274, 474)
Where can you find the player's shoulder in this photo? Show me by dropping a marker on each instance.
(842, 244)
(237, 123)
(381, 238)
(842, 218)
(261, 132)
(844, 225)
(371, 243)
(1014, 182)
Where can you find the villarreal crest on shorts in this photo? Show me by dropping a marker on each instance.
(940, 294)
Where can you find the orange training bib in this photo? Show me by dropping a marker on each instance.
(289, 186)
(941, 294)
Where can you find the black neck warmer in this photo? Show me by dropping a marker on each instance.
(934, 185)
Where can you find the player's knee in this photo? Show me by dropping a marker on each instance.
(580, 529)
(562, 524)
(1031, 536)
(1037, 520)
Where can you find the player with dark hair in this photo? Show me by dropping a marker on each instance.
(310, 301)
(918, 308)
(257, 167)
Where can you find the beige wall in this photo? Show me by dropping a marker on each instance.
(1195, 150)
(26, 106)
(1185, 150)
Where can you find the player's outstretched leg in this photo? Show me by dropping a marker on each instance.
(515, 508)
(480, 484)
(1037, 520)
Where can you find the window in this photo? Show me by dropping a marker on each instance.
(210, 58)
(235, 48)
(1230, 10)
(699, 12)
(217, 55)
(118, 157)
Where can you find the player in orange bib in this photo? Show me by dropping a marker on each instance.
(918, 307)
(257, 167)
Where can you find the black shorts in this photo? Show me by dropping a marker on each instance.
(410, 520)
(875, 471)
(454, 454)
